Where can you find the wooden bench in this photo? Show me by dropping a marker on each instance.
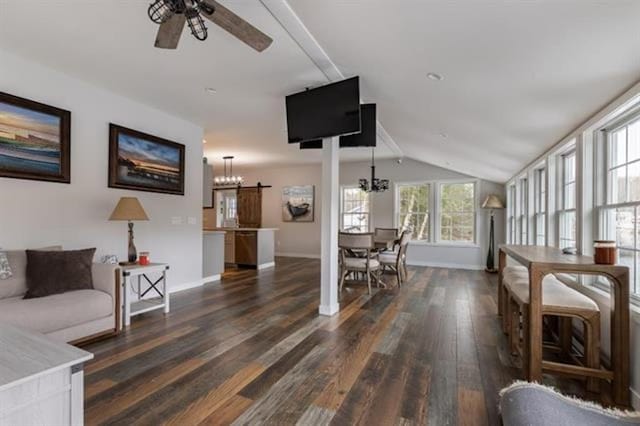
(565, 303)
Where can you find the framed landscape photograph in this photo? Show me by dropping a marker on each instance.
(298, 203)
(144, 162)
(35, 140)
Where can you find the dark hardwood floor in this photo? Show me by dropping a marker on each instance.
(253, 350)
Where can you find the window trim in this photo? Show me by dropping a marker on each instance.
(560, 208)
(341, 214)
(523, 210)
(540, 195)
(434, 211)
(396, 205)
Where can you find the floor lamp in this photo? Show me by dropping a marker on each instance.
(492, 202)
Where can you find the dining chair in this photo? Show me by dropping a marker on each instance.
(387, 233)
(369, 264)
(397, 260)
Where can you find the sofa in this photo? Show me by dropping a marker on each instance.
(73, 317)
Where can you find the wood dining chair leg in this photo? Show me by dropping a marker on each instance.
(526, 341)
(565, 325)
(514, 333)
(342, 278)
(505, 308)
(592, 349)
(368, 280)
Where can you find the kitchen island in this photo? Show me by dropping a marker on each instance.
(249, 247)
(213, 258)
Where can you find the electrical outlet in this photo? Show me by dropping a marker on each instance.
(176, 220)
(191, 220)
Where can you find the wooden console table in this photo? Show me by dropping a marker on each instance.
(541, 261)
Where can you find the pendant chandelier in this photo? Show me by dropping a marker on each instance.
(375, 185)
(228, 179)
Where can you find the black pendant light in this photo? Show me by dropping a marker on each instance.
(375, 185)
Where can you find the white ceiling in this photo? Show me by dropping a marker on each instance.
(518, 75)
(110, 43)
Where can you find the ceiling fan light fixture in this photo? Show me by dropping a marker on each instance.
(161, 10)
(196, 24)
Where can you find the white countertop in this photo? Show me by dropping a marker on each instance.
(25, 355)
(207, 232)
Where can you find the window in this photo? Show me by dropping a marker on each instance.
(354, 209)
(511, 213)
(523, 223)
(457, 212)
(413, 209)
(540, 206)
(621, 212)
(567, 205)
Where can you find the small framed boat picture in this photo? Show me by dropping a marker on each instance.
(144, 162)
(298, 203)
(35, 140)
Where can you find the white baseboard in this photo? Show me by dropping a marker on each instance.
(635, 400)
(305, 255)
(211, 278)
(194, 284)
(329, 310)
(445, 265)
(266, 266)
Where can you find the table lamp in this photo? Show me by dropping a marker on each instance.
(129, 209)
(492, 202)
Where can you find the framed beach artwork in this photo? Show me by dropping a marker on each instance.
(35, 140)
(298, 203)
(144, 162)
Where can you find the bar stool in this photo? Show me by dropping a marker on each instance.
(561, 301)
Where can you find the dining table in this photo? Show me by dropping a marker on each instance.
(541, 261)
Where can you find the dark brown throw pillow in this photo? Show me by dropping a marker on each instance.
(53, 272)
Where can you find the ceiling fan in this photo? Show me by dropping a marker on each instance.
(172, 15)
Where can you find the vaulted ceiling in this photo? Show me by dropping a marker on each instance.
(517, 76)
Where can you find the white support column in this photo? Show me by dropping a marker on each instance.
(329, 229)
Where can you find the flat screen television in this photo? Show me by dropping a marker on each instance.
(323, 112)
(366, 138)
(367, 135)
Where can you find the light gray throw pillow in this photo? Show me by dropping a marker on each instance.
(5, 268)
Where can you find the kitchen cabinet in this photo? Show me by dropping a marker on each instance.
(207, 184)
(246, 248)
(230, 247)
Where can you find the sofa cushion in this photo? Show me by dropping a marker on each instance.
(5, 268)
(56, 312)
(53, 272)
(16, 285)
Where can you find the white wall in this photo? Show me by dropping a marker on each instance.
(34, 214)
(303, 239)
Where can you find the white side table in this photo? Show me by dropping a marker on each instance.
(134, 292)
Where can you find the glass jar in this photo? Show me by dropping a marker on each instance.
(143, 259)
(604, 252)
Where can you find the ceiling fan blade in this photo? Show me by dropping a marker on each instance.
(170, 31)
(237, 26)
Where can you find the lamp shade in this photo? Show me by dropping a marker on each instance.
(492, 202)
(128, 208)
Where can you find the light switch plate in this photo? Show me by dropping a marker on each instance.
(176, 220)
(191, 220)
